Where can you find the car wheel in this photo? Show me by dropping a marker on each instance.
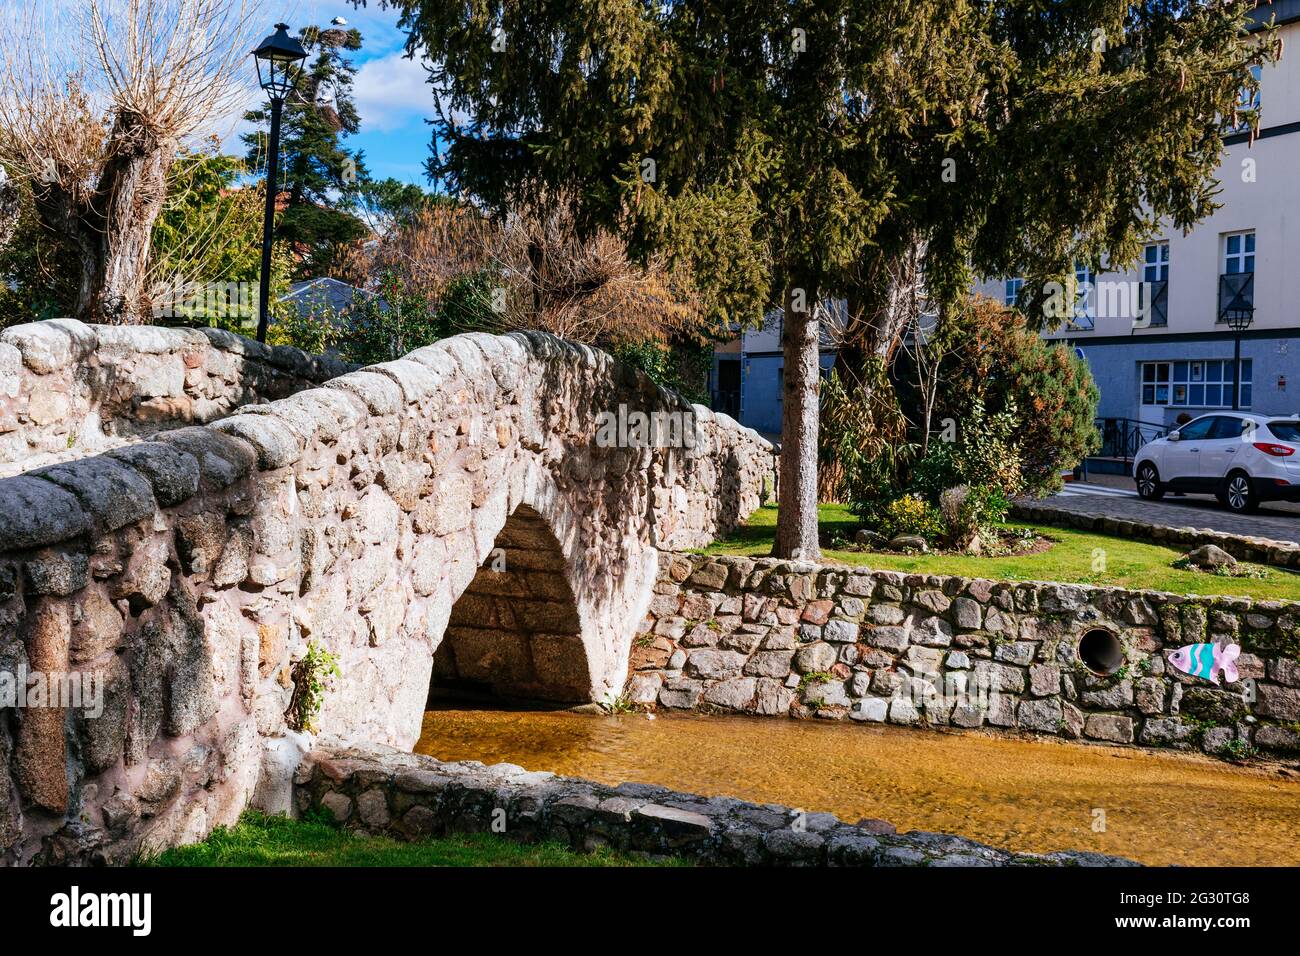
(1148, 482)
(1239, 494)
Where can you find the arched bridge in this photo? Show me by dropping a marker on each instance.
(486, 511)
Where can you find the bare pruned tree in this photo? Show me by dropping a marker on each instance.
(100, 99)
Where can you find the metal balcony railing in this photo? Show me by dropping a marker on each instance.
(1157, 311)
(1231, 287)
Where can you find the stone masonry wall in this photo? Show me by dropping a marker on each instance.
(408, 796)
(190, 574)
(70, 387)
(783, 638)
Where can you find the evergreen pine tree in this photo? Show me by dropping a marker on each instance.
(841, 147)
(321, 175)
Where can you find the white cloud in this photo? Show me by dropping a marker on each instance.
(390, 92)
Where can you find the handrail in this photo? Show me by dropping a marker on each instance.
(1123, 437)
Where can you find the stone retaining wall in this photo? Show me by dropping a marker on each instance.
(784, 638)
(385, 792)
(191, 574)
(1282, 554)
(70, 387)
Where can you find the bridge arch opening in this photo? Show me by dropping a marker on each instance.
(516, 632)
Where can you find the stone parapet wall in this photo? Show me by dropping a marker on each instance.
(67, 387)
(191, 574)
(780, 638)
(1282, 554)
(385, 792)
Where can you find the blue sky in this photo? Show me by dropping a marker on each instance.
(391, 94)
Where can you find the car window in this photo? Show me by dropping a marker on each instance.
(1198, 429)
(1225, 426)
(1287, 431)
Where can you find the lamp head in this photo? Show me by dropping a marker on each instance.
(274, 57)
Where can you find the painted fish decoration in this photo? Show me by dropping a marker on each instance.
(1207, 661)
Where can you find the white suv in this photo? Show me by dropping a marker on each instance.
(1240, 458)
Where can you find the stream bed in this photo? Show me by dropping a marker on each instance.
(1158, 808)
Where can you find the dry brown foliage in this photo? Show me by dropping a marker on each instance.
(100, 97)
(547, 276)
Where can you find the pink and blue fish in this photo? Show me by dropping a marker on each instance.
(1207, 661)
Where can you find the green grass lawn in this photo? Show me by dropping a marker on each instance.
(1129, 564)
(261, 840)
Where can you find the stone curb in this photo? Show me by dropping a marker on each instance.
(382, 791)
(1282, 554)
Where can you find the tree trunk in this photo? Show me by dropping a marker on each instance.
(796, 525)
(881, 307)
(10, 208)
(119, 226)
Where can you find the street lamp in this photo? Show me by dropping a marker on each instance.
(274, 58)
(1239, 313)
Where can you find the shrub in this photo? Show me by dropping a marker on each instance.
(864, 451)
(680, 366)
(985, 453)
(988, 504)
(991, 355)
(311, 677)
(467, 303)
(314, 333)
(971, 514)
(937, 471)
(909, 514)
(389, 325)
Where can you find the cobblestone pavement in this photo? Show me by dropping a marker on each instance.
(1277, 520)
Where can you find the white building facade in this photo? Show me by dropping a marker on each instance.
(1156, 337)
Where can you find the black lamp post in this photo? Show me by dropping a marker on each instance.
(1239, 313)
(275, 58)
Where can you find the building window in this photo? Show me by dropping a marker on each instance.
(1154, 291)
(1011, 291)
(1237, 281)
(1238, 252)
(1194, 384)
(1248, 99)
(1155, 262)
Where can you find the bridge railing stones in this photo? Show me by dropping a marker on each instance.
(67, 387)
(189, 574)
(781, 638)
(381, 791)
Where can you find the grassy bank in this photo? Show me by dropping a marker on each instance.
(260, 840)
(1073, 558)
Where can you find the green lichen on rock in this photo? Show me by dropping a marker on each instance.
(1216, 706)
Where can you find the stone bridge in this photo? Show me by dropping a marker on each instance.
(485, 511)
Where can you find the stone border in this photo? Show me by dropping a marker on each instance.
(777, 638)
(383, 791)
(1280, 554)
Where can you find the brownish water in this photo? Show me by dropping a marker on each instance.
(1159, 809)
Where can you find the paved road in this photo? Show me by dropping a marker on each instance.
(1083, 489)
(1279, 521)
